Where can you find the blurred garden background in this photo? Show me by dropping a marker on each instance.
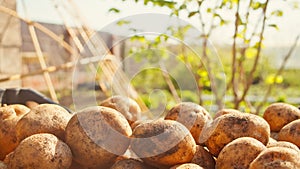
(241, 54)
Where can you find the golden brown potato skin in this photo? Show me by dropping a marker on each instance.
(130, 164)
(283, 144)
(226, 111)
(9, 117)
(163, 143)
(128, 107)
(97, 136)
(277, 158)
(239, 153)
(280, 114)
(228, 127)
(44, 118)
(291, 133)
(191, 115)
(41, 151)
(187, 166)
(203, 158)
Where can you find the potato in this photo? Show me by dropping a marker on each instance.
(130, 164)
(44, 118)
(283, 144)
(128, 107)
(138, 122)
(271, 141)
(187, 166)
(226, 111)
(277, 158)
(9, 117)
(191, 115)
(229, 127)
(97, 136)
(280, 114)
(291, 133)
(41, 151)
(2, 165)
(163, 143)
(203, 158)
(239, 153)
(274, 135)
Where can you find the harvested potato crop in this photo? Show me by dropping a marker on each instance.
(291, 133)
(191, 115)
(128, 107)
(226, 111)
(187, 166)
(130, 164)
(9, 117)
(163, 143)
(239, 153)
(43, 151)
(203, 158)
(44, 118)
(280, 114)
(229, 127)
(277, 158)
(97, 136)
(283, 144)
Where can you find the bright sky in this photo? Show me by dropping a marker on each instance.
(97, 16)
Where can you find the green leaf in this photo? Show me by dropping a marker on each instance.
(115, 10)
(183, 6)
(274, 26)
(278, 13)
(123, 22)
(192, 13)
(256, 5)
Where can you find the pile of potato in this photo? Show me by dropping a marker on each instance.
(113, 136)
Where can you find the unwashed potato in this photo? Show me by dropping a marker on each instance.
(163, 143)
(271, 141)
(229, 127)
(44, 118)
(291, 133)
(203, 158)
(128, 107)
(44, 151)
(2, 165)
(9, 117)
(277, 158)
(283, 144)
(274, 135)
(239, 153)
(280, 114)
(191, 115)
(187, 166)
(130, 164)
(97, 136)
(226, 111)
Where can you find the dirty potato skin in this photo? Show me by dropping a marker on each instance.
(43, 151)
(283, 144)
(291, 133)
(191, 115)
(277, 158)
(9, 117)
(229, 127)
(226, 111)
(203, 158)
(187, 166)
(280, 114)
(128, 107)
(97, 136)
(130, 164)
(163, 143)
(44, 118)
(239, 153)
